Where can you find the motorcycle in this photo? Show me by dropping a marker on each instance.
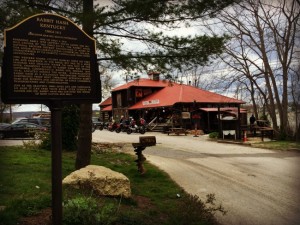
(136, 129)
(103, 125)
(133, 127)
(122, 127)
(112, 126)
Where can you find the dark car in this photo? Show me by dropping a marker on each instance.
(22, 130)
(97, 124)
(44, 122)
(2, 125)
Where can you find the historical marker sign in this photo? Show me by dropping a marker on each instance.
(48, 58)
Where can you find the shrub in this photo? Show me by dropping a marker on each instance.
(88, 211)
(214, 135)
(45, 141)
(193, 211)
(23, 207)
(30, 144)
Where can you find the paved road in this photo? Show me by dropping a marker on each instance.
(256, 186)
(12, 142)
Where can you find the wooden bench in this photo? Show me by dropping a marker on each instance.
(144, 141)
(177, 131)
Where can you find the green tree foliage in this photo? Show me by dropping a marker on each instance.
(124, 21)
(138, 23)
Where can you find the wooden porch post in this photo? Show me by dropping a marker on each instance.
(220, 122)
(239, 122)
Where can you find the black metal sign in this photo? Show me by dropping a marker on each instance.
(50, 60)
(47, 58)
(148, 141)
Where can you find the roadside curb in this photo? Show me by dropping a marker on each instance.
(234, 142)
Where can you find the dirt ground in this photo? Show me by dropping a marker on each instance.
(43, 218)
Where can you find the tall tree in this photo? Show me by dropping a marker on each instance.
(85, 126)
(263, 52)
(138, 23)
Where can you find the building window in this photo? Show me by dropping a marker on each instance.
(138, 93)
(119, 100)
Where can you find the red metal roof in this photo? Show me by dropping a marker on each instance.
(143, 82)
(180, 93)
(106, 102)
(107, 108)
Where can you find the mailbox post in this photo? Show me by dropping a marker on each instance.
(145, 141)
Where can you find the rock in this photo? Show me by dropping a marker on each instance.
(100, 180)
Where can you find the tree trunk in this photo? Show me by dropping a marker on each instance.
(252, 93)
(83, 157)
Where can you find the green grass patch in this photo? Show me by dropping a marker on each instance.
(278, 145)
(25, 189)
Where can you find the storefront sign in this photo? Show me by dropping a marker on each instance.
(151, 102)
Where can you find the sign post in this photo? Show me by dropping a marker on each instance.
(49, 60)
(56, 161)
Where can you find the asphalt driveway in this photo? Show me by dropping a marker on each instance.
(255, 186)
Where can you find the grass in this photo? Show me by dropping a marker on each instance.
(278, 145)
(25, 187)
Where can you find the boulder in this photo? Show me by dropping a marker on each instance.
(100, 180)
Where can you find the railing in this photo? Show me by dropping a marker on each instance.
(150, 127)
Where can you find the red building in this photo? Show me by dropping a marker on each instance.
(161, 100)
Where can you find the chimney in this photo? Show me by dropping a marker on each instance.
(153, 75)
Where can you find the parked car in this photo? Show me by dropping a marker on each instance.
(2, 125)
(22, 130)
(97, 124)
(45, 122)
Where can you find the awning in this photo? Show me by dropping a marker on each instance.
(107, 108)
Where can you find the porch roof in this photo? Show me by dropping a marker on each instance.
(180, 93)
(106, 102)
(107, 108)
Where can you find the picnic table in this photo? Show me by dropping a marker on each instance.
(266, 131)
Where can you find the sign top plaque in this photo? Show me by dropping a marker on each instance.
(47, 57)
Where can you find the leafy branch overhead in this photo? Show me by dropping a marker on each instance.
(122, 23)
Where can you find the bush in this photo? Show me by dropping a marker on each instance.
(193, 211)
(23, 207)
(214, 135)
(46, 141)
(88, 211)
